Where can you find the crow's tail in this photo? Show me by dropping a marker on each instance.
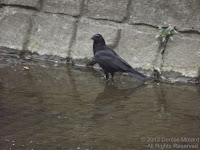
(138, 75)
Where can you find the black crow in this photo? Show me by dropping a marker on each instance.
(110, 62)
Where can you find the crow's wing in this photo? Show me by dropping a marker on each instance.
(111, 62)
(133, 72)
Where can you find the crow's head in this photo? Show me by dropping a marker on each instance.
(98, 38)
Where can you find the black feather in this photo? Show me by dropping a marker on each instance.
(110, 62)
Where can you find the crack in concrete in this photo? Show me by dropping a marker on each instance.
(183, 30)
(117, 39)
(27, 37)
(128, 11)
(41, 3)
(82, 8)
(159, 60)
(72, 41)
(19, 6)
(188, 31)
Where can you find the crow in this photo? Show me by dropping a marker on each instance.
(110, 62)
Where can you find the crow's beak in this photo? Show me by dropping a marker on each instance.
(93, 37)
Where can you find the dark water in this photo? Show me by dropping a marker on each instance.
(47, 107)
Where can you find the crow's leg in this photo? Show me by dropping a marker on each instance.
(106, 77)
(112, 74)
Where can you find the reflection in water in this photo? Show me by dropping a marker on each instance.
(49, 107)
(112, 93)
(112, 96)
(161, 104)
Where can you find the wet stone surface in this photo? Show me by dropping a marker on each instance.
(50, 106)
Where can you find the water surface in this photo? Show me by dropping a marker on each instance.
(47, 107)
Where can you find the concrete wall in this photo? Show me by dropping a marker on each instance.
(64, 28)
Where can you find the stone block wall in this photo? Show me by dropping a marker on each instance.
(64, 28)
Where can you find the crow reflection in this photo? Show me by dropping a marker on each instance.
(114, 94)
(110, 101)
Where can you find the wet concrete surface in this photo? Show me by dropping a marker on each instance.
(44, 106)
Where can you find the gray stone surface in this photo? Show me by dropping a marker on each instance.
(1, 13)
(183, 55)
(14, 26)
(70, 7)
(50, 30)
(51, 34)
(115, 10)
(30, 3)
(83, 47)
(138, 47)
(180, 13)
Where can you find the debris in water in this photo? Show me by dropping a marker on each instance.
(26, 68)
(44, 66)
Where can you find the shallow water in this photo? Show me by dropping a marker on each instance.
(47, 107)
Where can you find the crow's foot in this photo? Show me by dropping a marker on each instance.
(104, 79)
